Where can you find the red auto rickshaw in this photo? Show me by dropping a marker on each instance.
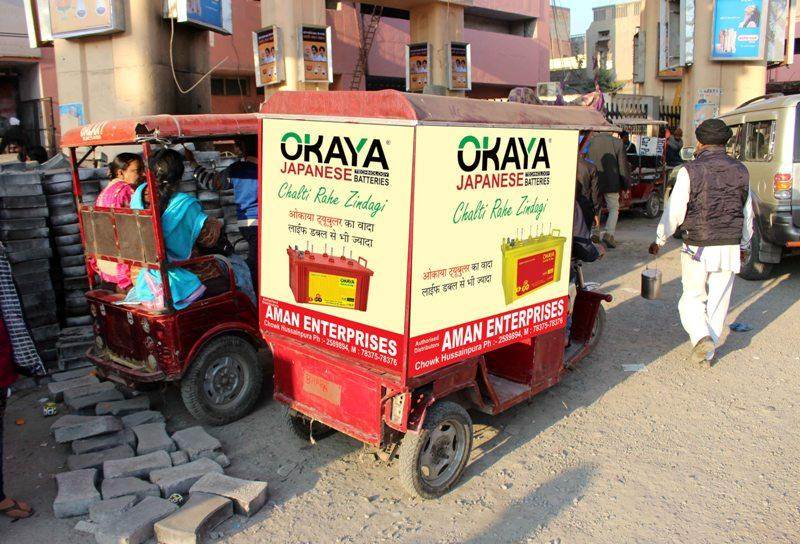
(210, 347)
(648, 166)
(415, 263)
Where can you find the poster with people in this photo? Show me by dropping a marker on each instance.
(268, 56)
(417, 62)
(315, 45)
(739, 28)
(70, 19)
(459, 67)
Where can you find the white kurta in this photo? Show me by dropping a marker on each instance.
(707, 272)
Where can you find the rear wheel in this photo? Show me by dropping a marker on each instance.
(433, 460)
(652, 207)
(224, 382)
(597, 328)
(753, 269)
(306, 429)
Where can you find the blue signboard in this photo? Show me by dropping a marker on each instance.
(738, 29)
(205, 13)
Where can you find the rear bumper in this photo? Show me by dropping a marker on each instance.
(121, 374)
(776, 226)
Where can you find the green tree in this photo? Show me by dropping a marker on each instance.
(606, 81)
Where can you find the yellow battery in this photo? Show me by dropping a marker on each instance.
(531, 263)
(332, 290)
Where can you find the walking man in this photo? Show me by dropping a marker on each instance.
(710, 207)
(608, 155)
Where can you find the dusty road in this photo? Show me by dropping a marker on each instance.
(671, 454)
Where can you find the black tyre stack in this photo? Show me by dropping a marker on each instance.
(24, 232)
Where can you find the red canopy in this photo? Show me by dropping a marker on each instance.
(168, 127)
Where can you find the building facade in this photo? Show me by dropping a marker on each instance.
(609, 41)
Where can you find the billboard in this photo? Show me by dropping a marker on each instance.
(738, 30)
(315, 50)
(268, 56)
(418, 62)
(214, 15)
(459, 67)
(70, 19)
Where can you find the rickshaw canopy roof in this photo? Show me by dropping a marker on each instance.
(390, 104)
(632, 121)
(164, 127)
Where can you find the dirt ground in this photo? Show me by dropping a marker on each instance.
(671, 454)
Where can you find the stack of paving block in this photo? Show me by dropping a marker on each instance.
(73, 342)
(24, 233)
(130, 476)
(69, 264)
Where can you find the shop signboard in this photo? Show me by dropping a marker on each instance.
(268, 56)
(214, 15)
(738, 30)
(315, 50)
(76, 18)
(459, 66)
(418, 62)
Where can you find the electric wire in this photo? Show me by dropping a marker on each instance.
(172, 63)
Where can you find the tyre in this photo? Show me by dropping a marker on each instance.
(597, 329)
(432, 461)
(752, 269)
(224, 381)
(306, 429)
(652, 207)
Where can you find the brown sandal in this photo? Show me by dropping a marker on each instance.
(14, 507)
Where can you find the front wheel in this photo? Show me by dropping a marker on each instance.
(224, 382)
(433, 460)
(652, 207)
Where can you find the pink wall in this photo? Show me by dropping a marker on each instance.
(531, 8)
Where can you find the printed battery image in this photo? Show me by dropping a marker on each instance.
(531, 263)
(319, 278)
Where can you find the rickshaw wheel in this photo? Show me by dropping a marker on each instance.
(433, 460)
(652, 207)
(306, 429)
(223, 383)
(597, 328)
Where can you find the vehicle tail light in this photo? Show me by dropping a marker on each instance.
(398, 407)
(782, 184)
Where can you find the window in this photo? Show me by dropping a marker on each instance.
(217, 86)
(230, 86)
(734, 146)
(760, 141)
(797, 46)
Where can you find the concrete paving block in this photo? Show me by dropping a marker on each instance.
(97, 458)
(136, 525)
(196, 441)
(179, 479)
(77, 427)
(56, 389)
(71, 374)
(121, 487)
(86, 390)
(76, 493)
(190, 525)
(123, 407)
(221, 459)
(84, 526)
(140, 466)
(109, 510)
(179, 457)
(104, 442)
(140, 418)
(152, 437)
(248, 496)
(85, 405)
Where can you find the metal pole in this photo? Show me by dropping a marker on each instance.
(158, 234)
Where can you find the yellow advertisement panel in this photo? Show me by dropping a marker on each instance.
(70, 18)
(335, 207)
(493, 211)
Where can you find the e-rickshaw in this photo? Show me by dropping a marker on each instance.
(418, 265)
(648, 166)
(210, 347)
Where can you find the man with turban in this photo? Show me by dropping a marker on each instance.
(710, 207)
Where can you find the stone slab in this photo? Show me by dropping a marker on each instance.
(140, 418)
(136, 525)
(190, 525)
(123, 407)
(109, 510)
(85, 526)
(86, 390)
(119, 487)
(56, 389)
(140, 467)
(85, 405)
(77, 427)
(71, 374)
(196, 442)
(180, 457)
(152, 437)
(248, 496)
(104, 442)
(97, 458)
(181, 478)
(77, 491)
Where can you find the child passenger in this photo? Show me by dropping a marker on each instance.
(126, 172)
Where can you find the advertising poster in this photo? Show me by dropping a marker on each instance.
(269, 58)
(417, 62)
(335, 203)
(204, 12)
(492, 239)
(73, 18)
(459, 67)
(707, 104)
(315, 48)
(777, 30)
(738, 29)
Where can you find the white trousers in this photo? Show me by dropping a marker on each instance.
(705, 299)
(612, 203)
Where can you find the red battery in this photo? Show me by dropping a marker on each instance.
(319, 278)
